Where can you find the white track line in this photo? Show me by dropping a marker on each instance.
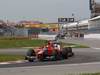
(13, 62)
(4, 63)
(95, 48)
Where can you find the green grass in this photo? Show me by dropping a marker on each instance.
(21, 43)
(80, 46)
(4, 58)
(90, 74)
(75, 45)
(84, 74)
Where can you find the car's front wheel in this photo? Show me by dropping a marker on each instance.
(30, 54)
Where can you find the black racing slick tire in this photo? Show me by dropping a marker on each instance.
(70, 52)
(65, 53)
(69, 49)
(31, 52)
(30, 60)
(29, 55)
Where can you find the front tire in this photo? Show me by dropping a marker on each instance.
(30, 53)
(40, 57)
(25, 58)
(30, 60)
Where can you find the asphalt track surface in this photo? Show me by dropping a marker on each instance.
(85, 55)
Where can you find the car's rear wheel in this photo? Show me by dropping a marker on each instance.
(30, 60)
(70, 52)
(65, 53)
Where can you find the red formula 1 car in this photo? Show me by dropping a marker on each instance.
(51, 51)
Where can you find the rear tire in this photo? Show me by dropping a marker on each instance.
(72, 54)
(65, 53)
(69, 49)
